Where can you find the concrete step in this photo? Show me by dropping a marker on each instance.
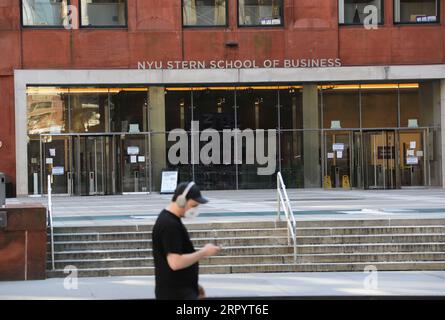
(147, 235)
(332, 267)
(334, 231)
(369, 257)
(101, 254)
(373, 248)
(257, 259)
(104, 263)
(388, 222)
(145, 244)
(148, 261)
(135, 253)
(372, 238)
(264, 225)
(190, 226)
(263, 268)
(339, 231)
(370, 248)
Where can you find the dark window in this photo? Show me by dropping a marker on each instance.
(260, 12)
(356, 11)
(44, 13)
(103, 13)
(416, 11)
(204, 13)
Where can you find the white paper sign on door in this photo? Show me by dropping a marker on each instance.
(338, 147)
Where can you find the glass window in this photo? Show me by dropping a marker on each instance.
(341, 106)
(128, 110)
(198, 13)
(214, 109)
(178, 108)
(260, 12)
(103, 13)
(44, 13)
(416, 11)
(291, 111)
(88, 109)
(257, 108)
(47, 110)
(379, 105)
(353, 11)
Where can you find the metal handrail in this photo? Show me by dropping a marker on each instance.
(49, 214)
(283, 202)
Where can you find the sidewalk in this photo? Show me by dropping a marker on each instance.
(413, 283)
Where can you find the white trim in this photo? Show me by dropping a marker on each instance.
(22, 78)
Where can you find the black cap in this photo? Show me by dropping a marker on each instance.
(194, 193)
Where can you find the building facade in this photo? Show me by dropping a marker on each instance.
(91, 90)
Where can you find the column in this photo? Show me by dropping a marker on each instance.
(441, 144)
(158, 138)
(311, 139)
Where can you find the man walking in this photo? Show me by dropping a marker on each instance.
(176, 261)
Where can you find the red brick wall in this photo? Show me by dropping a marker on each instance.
(23, 243)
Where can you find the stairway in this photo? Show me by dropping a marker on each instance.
(261, 246)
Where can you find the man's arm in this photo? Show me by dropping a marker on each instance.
(181, 261)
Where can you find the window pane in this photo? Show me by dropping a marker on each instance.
(128, 110)
(415, 11)
(204, 12)
(103, 12)
(353, 11)
(379, 106)
(43, 12)
(47, 110)
(417, 106)
(260, 12)
(178, 108)
(214, 109)
(88, 107)
(341, 107)
(291, 111)
(257, 108)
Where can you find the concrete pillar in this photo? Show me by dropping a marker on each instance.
(441, 144)
(158, 138)
(311, 139)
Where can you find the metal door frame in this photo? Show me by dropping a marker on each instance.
(345, 132)
(74, 157)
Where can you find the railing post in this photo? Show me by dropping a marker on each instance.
(50, 218)
(278, 198)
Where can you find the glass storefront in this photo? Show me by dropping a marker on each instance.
(93, 141)
(98, 141)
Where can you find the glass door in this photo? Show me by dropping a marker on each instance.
(90, 160)
(379, 156)
(338, 158)
(412, 158)
(134, 163)
(56, 162)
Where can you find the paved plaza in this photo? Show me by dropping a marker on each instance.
(292, 285)
(237, 205)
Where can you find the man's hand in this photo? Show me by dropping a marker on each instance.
(181, 261)
(210, 250)
(202, 293)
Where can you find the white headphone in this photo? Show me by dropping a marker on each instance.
(181, 200)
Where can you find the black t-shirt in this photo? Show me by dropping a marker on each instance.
(170, 236)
